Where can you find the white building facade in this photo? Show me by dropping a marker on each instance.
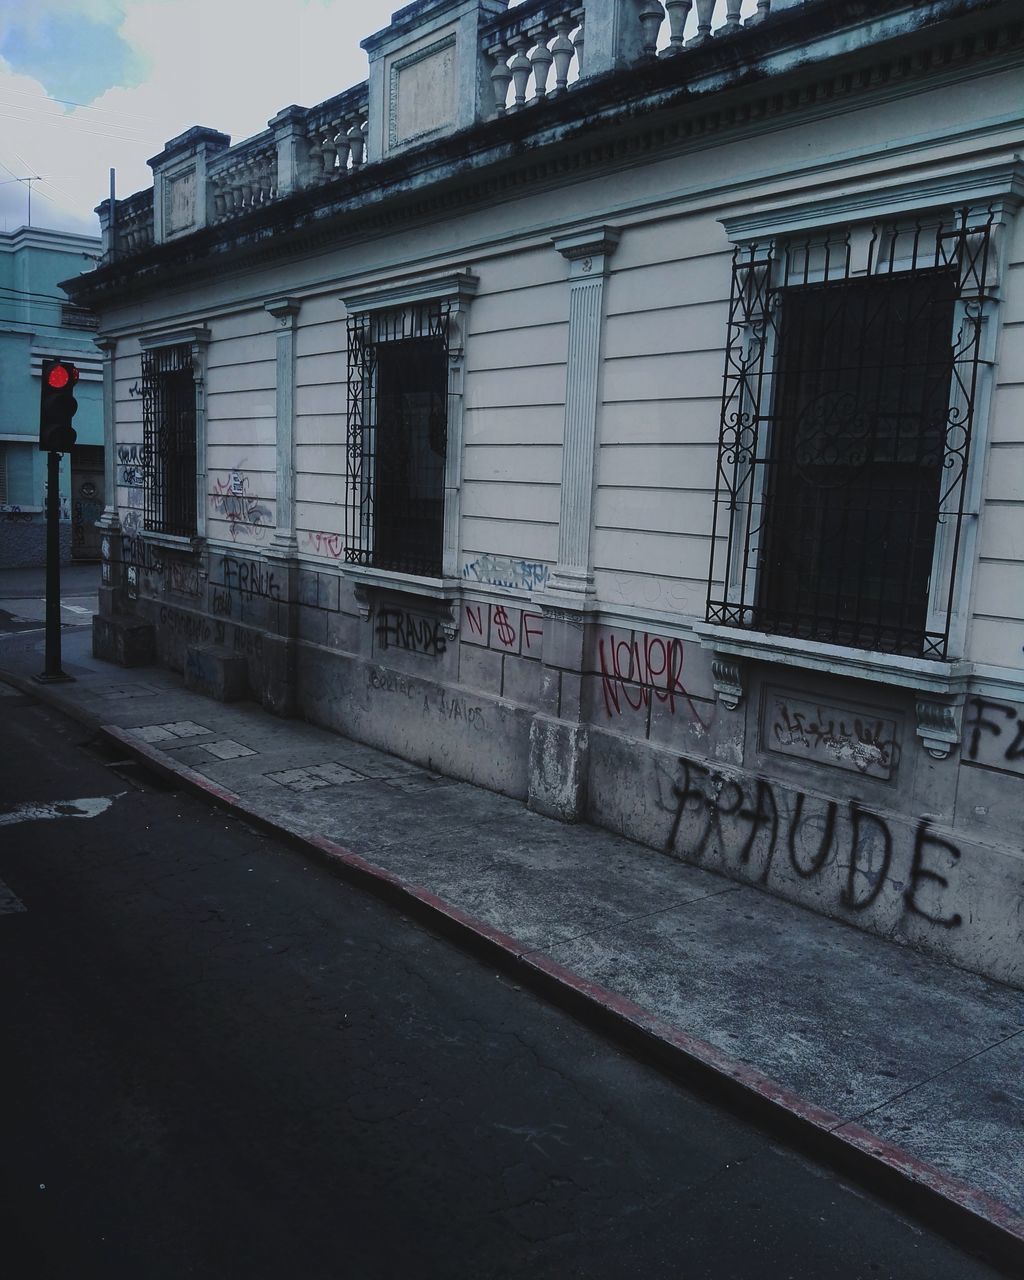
(618, 405)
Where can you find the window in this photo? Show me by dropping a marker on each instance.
(848, 408)
(4, 499)
(398, 419)
(169, 440)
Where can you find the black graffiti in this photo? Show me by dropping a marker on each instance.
(191, 627)
(183, 578)
(220, 603)
(397, 629)
(249, 643)
(750, 823)
(251, 579)
(138, 552)
(389, 681)
(982, 724)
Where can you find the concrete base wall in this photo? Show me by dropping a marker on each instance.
(916, 882)
(455, 731)
(815, 788)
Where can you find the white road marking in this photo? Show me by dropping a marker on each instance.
(76, 608)
(90, 807)
(9, 901)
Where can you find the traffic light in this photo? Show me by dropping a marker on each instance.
(57, 406)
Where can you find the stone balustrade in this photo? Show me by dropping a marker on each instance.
(669, 26)
(133, 230)
(539, 37)
(528, 53)
(243, 178)
(529, 43)
(336, 132)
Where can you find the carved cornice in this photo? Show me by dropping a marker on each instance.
(616, 121)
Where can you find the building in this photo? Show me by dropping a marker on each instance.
(617, 405)
(37, 322)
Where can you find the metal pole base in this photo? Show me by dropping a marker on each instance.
(53, 677)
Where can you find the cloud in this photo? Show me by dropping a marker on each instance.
(74, 51)
(220, 63)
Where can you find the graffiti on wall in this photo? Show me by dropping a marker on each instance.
(503, 627)
(637, 667)
(994, 734)
(251, 579)
(411, 632)
(131, 466)
(326, 544)
(858, 741)
(247, 516)
(502, 571)
(435, 704)
(766, 833)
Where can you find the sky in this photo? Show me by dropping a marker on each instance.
(87, 85)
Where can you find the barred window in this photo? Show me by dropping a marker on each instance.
(169, 440)
(398, 363)
(846, 430)
(3, 475)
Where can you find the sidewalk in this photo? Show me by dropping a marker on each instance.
(906, 1071)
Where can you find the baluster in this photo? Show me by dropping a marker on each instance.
(250, 188)
(733, 22)
(678, 12)
(562, 53)
(218, 198)
(316, 160)
(357, 141)
(520, 67)
(651, 17)
(578, 41)
(764, 8)
(705, 12)
(541, 60)
(344, 149)
(501, 76)
(330, 152)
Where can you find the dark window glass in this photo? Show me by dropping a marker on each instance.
(855, 459)
(169, 441)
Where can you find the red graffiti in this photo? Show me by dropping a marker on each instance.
(634, 668)
(474, 616)
(326, 544)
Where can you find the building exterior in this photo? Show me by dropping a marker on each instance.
(617, 405)
(37, 322)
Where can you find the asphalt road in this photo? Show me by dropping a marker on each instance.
(219, 1061)
(23, 605)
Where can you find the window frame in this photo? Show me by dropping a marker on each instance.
(366, 313)
(991, 191)
(196, 340)
(772, 284)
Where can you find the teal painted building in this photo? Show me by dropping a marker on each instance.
(38, 321)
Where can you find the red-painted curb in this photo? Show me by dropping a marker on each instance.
(957, 1209)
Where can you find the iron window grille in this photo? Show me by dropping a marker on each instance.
(169, 440)
(397, 438)
(3, 475)
(847, 415)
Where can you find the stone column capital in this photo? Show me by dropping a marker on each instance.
(587, 252)
(284, 310)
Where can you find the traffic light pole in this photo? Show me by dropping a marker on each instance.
(52, 671)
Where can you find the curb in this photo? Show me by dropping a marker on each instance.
(963, 1213)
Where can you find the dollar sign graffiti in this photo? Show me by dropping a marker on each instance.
(506, 632)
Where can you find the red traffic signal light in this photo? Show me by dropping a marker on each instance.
(57, 406)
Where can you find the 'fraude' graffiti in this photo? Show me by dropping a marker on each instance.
(767, 833)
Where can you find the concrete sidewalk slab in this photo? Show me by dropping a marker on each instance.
(903, 1068)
